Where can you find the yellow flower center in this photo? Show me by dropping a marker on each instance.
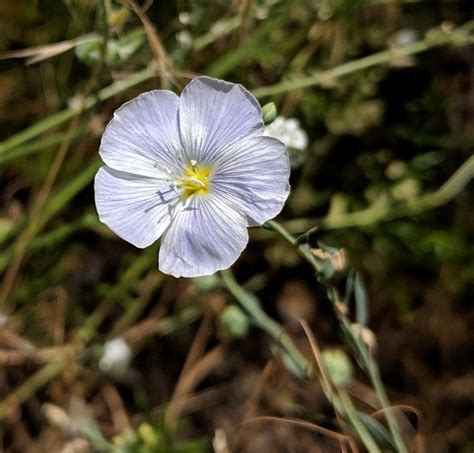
(195, 180)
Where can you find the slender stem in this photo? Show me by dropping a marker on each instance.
(252, 306)
(211, 36)
(38, 146)
(371, 368)
(31, 385)
(376, 380)
(458, 180)
(302, 248)
(380, 212)
(64, 115)
(64, 355)
(358, 425)
(369, 363)
(459, 36)
(42, 196)
(61, 233)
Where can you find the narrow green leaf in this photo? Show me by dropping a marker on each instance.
(361, 300)
(378, 431)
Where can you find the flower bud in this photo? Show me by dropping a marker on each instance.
(234, 322)
(207, 283)
(338, 366)
(269, 112)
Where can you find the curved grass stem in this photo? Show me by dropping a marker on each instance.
(368, 362)
(252, 306)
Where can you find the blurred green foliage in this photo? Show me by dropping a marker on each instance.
(382, 135)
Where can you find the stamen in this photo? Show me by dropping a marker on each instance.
(197, 181)
(194, 181)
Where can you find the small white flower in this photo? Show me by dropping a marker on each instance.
(185, 18)
(289, 131)
(194, 170)
(404, 37)
(184, 38)
(116, 356)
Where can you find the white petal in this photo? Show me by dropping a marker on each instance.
(215, 113)
(253, 174)
(136, 208)
(299, 140)
(143, 136)
(292, 124)
(205, 236)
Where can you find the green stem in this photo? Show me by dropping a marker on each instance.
(211, 36)
(64, 115)
(357, 423)
(381, 212)
(369, 363)
(30, 386)
(371, 368)
(52, 238)
(459, 36)
(252, 306)
(56, 204)
(40, 145)
(303, 249)
(375, 379)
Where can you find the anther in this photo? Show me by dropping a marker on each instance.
(197, 181)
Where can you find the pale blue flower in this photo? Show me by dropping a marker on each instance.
(194, 170)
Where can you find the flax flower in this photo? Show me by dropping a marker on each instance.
(193, 170)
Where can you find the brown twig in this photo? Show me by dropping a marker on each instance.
(199, 344)
(253, 400)
(116, 407)
(195, 375)
(165, 67)
(195, 351)
(197, 401)
(327, 386)
(317, 356)
(341, 438)
(37, 356)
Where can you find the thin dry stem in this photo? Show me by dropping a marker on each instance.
(116, 407)
(317, 355)
(195, 375)
(199, 344)
(341, 438)
(42, 197)
(252, 402)
(165, 67)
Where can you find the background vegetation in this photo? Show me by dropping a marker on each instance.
(384, 91)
